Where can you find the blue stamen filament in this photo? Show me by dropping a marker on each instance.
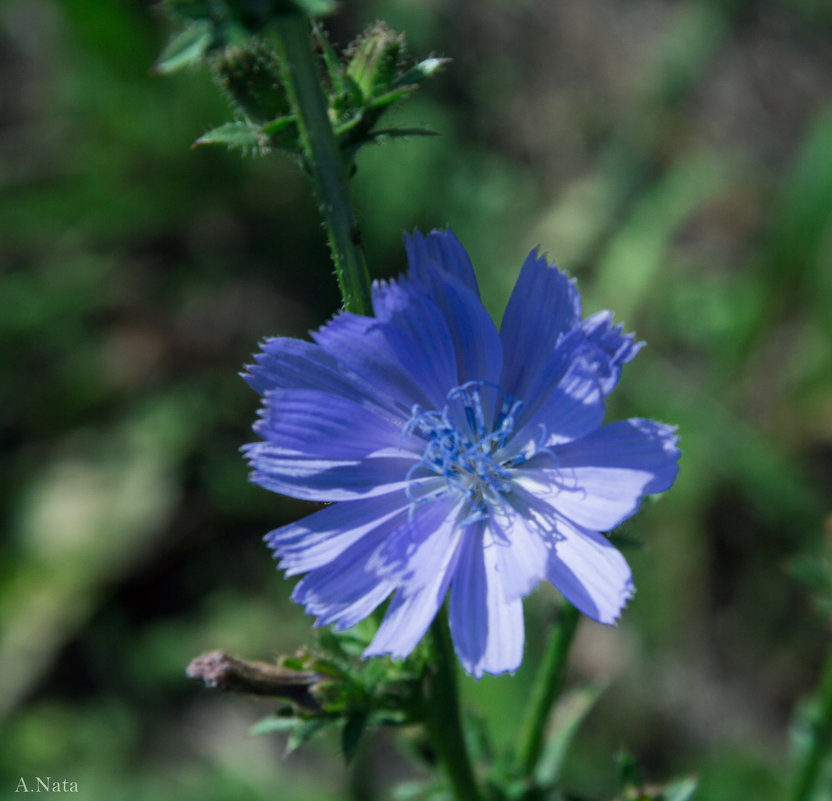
(464, 456)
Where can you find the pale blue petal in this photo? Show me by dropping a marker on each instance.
(487, 629)
(408, 618)
(443, 251)
(345, 591)
(543, 306)
(590, 573)
(635, 444)
(571, 409)
(314, 478)
(323, 536)
(423, 546)
(520, 553)
(598, 481)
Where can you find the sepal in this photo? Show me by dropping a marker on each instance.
(249, 75)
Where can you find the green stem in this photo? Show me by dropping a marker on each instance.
(442, 714)
(546, 688)
(807, 774)
(303, 84)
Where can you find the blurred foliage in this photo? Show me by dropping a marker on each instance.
(676, 157)
(359, 86)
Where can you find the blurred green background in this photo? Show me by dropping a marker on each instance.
(675, 156)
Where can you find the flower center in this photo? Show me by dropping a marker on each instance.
(463, 442)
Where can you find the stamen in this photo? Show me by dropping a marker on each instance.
(465, 454)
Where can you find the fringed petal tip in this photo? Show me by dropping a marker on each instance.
(614, 615)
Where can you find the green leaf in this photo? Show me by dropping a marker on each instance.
(351, 736)
(568, 716)
(681, 789)
(334, 67)
(283, 133)
(315, 8)
(305, 731)
(275, 723)
(186, 48)
(244, 135)
(382, 135)
(423, 70)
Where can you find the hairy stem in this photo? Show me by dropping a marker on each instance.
(821, 738)
(302, 78)
(442, 715)
(546, 688)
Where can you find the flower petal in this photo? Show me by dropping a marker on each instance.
(477, 344)
(599, 480)
(620, 348)
(293, 364)
(408, 618)
(314, 478)
(590, 573)
(520, 553)
(346, 590)
(423, 546)
(634, 444)
(417, 334)
(323, 536)
(543, 306)
(320, 424)
(442, 250)
(358, 343)
(487, 629)
(571, 409)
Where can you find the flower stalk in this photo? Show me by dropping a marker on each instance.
(323, 159)
(806, 777)
(442, 715)
(546, 688)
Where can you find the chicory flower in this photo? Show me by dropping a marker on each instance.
(458, 460)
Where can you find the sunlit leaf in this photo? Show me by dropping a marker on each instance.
(245, 135)
(274, 724)
(681, 789)
(186, 48)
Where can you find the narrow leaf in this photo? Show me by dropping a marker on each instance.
(314, 8)
(568, 716)
(244, 135)
(305, 731)
(424, 69)
(383, 134)
(185, 48)
(681, 789)
(351, 736)
(275, 723)
(333, 65)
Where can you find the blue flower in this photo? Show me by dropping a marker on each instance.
(460, 460)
